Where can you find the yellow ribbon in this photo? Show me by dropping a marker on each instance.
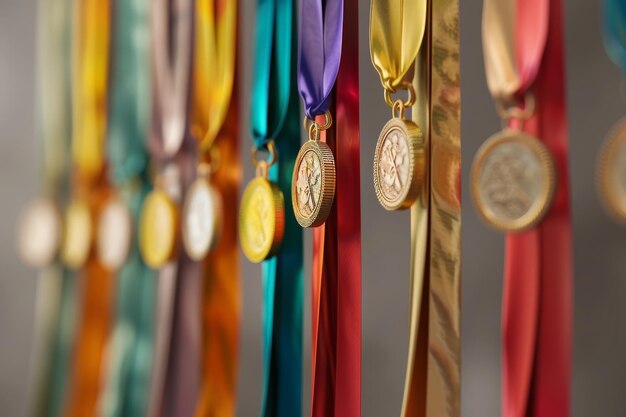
(90, 86)
(397, 30)
(214, 72)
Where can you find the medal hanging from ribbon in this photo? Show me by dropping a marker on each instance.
(39, 238)
(611, 157)
(520, 185)
(268, 230)
(209, 213)
(90, 82)
(172, 26)
(329, 161)
(417, 165)
(129, 360)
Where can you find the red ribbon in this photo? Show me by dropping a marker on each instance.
(336, 365)
(537, 316)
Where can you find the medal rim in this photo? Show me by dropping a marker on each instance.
(327, 188)
(417, 159)
(198, 255)
(146, 249)
(76, 260)
(543, 203)
(128, 233)
(271, 247)
(613, 205)
(49, 205)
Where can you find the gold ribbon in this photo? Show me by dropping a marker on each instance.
(214, 71)
(396, 33)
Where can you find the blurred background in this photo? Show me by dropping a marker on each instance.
(596, 100)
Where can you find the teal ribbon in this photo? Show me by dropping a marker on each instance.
(614, 19)
(275, 116)
(130, 363)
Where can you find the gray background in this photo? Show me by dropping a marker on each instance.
(595, 102)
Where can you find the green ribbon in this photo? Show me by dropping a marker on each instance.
(275, 115)
(54, 133)
(130, 360)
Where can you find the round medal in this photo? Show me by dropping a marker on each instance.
(114, 234)
(313, 184)
(612, 172)
(399, 164)
(158, 229)
(513, 181)
(78, 235)
(39, 236)
(201, 219)
(261, 220)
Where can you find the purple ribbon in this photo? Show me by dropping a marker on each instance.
(319, 52)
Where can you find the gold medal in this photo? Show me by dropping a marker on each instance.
(39, 237)
(513, 181)
(262, 213)
(611, 176)
(314, 177)
(399, 162)
(114, 234)
(202, 213)
(158, 229)
(77, 235)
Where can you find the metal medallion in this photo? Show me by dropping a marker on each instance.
(39, 236)
(77, 235)
(611, 174)
(115, 228)
(313, 184)
(399, 164)
(513, 181)
(158, 229)
(202, 214)
(261, 220)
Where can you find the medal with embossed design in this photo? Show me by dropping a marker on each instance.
(611, 175)
(313, 184)
(201, 217)
(40, 230)
(262, 213)
(115, 229)
(399, 161)
(513, 181)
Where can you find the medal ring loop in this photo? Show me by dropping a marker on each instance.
(520, 111)
(397, 110)
(404, 86)
(328, 121)
(265, 163)
(210, 163)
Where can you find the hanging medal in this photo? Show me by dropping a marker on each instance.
(268, 230)
(215, 57)
(612, 157)
(128, 364)
(399, 159)
(159, 224)
(513, 175)
(520, 183)
(314, 174)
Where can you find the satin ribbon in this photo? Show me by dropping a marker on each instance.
(129, 360)
(215, 126)
(89, 92)
(54, 317)
(336, 284)
(169, 392)
(320, 48)
(550, 395)
(537, 304)
(396, 34)
(614, 24)
(274, 115)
